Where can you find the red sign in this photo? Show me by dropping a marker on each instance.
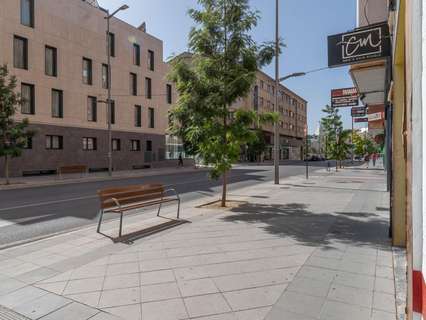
(346, 97)
(360, 119)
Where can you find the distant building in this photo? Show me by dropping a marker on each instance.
(57, 50)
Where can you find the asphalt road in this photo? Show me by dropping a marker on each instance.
(34, 212)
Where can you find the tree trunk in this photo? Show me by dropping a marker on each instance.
(6, 169)
(337, 165)
(224, 185)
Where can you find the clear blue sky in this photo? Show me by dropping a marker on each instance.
(305, 25)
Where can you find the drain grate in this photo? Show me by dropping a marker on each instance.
(7, 314)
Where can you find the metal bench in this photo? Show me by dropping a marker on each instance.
(122, 199)
(82, 169)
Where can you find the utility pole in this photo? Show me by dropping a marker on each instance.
(306, 153)
(352, 141)
(277, 84)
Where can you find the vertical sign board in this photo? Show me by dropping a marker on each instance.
(359, 45)
(347, 97)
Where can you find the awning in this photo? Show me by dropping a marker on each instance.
(370, 80)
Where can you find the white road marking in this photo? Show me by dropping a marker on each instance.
(5, 223)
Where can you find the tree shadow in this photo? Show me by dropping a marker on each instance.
(295, 221)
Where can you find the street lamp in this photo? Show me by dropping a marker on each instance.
(108, 40)
(293, 75)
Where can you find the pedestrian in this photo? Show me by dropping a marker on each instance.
(367, 159)
(374, 159)
(180, 164)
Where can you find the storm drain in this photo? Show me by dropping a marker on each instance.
(7, 314)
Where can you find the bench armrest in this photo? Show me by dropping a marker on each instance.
(117, 203)
(172, 190)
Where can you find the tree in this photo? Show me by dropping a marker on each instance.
(256, 147)
(223, 68)
(341, 147)
(13, 134)
(332, 125)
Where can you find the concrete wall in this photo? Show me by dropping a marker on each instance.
(372, 11)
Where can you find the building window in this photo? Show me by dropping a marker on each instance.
(262, 84)
(138, 116)
(133, 84)
(151, 117)
(20, 52)
(111, 38)
(28, 143)
(151, 60)
(87, 71)
(112, 115)
(92, 109)
(116, 144)
(54, 142)
(105, 79)
(148, 88)
(149, 145)
(135, 145)
(27, 13)
(136, 54)
(89, 144)
(28, 98)
(169, 93)
(50, 61)
(57, 103)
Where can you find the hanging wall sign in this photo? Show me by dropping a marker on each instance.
(357, 120)
(358, 111)
(360, 45)
(347, 97)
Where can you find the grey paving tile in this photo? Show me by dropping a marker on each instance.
(90, 298)
(21, 296)
(310, 286)
(384, 272)
(351, 295)
(297, 302)
(384, 302)
(123, 258)
(164, 310)
(279, 314)
(9, 284)
(122, 268)
(88, 272)
(384, 285)
(197, 287)
(162, 291)
(255, 279)
(83, 285)
(359, 268)
(253, 314)
(341, 311)
(355, 280)
(223, 316)
(121, 281)
(254, 298)
(317, 273)
(154, 277)
(119, 297)
(36, 275)
(72, 311)
(130, 312)
(54, 287)
(42, 306)
(381, 315)
(105, 316)
(206, 305)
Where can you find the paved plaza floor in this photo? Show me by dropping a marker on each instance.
(301, 250)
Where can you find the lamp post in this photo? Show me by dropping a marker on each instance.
(277, 84)
(108, 40)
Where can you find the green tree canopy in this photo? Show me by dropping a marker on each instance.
(223, 68)
(13, 134)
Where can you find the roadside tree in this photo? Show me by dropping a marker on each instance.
(222, 69)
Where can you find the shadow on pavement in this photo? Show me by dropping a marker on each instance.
(294, 220)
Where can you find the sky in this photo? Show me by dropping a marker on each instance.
(304, 27)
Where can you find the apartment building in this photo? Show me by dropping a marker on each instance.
(292, 110)
(58, 51)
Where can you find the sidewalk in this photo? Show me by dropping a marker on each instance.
(302, 250)
(47, 180)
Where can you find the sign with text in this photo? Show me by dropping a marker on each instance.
(357, 120)
(346, 97)
(358, 111)
(376, 116)
(360, 45)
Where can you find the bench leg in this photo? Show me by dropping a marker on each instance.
(100, 221)
(178, 209)
(159, 209)
(121, 224)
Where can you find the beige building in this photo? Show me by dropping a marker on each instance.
(293, 116)
(57, 50)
